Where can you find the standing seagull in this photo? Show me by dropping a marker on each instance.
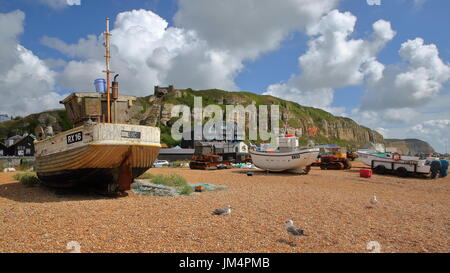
(223, 211)
(293, 231)
(373, 200)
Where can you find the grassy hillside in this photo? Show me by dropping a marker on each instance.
(19, 126)
(154, 111)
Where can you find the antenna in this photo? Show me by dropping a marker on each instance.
(107, 71)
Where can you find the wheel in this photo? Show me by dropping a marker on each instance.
(380, 169)
(402, 172)
(347, 164)
(340, 166)
(323, 166)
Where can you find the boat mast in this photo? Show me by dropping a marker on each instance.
(107, 71)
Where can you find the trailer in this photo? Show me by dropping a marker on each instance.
(394, 163)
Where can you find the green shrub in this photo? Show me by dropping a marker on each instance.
(173, 180)
(146, 176)
(27, 179)
(185, 190)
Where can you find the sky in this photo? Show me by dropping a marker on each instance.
(383, 63)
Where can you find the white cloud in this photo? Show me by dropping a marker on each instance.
(59, 4)
(411, 84)
(436, 132)
(248, 28)
(73, 2)
(146, 51)
(334, 60)
(25, 81)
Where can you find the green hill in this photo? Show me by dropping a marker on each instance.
(154, 111)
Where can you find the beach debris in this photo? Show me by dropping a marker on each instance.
(245, 166)
(148, 188)
(199, 188)
(223, 211)
(208, 187)
(293, 231)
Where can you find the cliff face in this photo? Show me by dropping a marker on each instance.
(156, 111)
(409, 146)
(331, 129)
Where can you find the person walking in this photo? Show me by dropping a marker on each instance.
(435, 168)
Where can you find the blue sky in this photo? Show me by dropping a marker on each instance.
(259, 65)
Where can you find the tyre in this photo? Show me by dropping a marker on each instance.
(340, 166)
(380, 169)
(347, 164)
(323, 166)
(402, 172)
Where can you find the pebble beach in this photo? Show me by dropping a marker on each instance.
(332, 207)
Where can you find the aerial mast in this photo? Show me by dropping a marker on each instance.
(107, 71)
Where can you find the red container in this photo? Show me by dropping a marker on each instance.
(365, 173)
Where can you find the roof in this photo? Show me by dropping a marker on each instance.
(329, 146)
(94, 95)
(22, 138)
(177, 151)
(14, 138)
(217, 144)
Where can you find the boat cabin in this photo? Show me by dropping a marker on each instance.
(288, 142)
(81, 107)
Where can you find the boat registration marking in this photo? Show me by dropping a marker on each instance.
(130, 134)
(75, 137)
(296, 156)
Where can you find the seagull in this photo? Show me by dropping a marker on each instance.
(223, 211)
(293, 231)
(373, 200)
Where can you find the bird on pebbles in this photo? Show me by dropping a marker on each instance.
(222, 211)
(293, 231)
(373, 200)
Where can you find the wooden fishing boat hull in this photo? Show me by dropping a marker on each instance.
(104, 158)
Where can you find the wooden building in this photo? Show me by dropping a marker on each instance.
(175, 154)
(3, 149)
(22, 147)
(232, 151)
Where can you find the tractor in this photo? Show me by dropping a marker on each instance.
(335, 162)
(332, 158)
(352, 155)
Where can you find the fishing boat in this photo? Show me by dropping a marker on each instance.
(288, 157)
(383, 163)
(102, 151)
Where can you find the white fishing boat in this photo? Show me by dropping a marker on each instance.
(288, 157)
(394, 162)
